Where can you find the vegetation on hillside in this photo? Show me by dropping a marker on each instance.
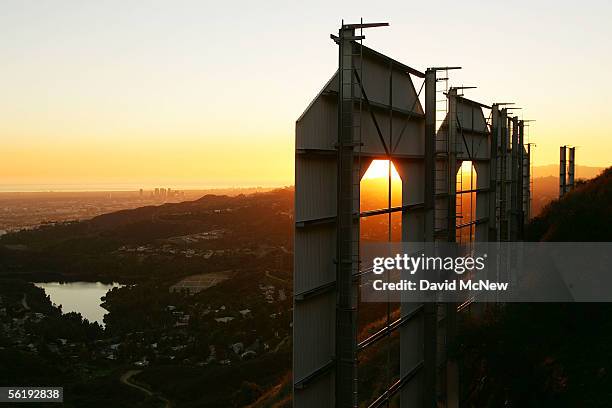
(227, 344)
(582, 215)
(547, 355)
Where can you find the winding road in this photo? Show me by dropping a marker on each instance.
(126, 379)
(24, 302)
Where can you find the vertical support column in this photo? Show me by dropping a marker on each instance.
(528, 183)
(492, 210)
(571, 169)
(430, 318)
(503, 202)
(452, 165)
(346, 367)
(562, 177)
(430, 153)
(447, 380)
(514, 195)
(520, 191)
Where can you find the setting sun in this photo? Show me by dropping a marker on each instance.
(380, 169)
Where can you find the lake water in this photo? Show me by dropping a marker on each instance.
(80, 297)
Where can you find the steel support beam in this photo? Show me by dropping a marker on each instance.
(528, 181)
(430, 328)
(452, 164)
(519, 179)
(514, 195)
(571, 169)
(493, 171)
(503, 156)
(430, 153)
(346, 354)
(562, 167)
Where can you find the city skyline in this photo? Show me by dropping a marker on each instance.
(187, 94)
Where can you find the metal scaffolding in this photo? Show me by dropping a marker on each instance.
(369, 110)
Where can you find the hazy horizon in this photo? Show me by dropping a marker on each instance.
(546, 170)
(77, 188)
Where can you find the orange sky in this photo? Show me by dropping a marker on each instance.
(199, 94)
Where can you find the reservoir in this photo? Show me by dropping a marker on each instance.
(80, 297)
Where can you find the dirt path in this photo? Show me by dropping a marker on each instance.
(126, 379)
(24, 302)
(269, 275)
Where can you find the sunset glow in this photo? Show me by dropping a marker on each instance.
(156, 95)
(380, 169)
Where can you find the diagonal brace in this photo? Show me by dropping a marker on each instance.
(367, 101)
(467, 149)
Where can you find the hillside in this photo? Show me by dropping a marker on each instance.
(547, 354)
(584, 214)
(204, 317)
(545, 190)
(153, 241)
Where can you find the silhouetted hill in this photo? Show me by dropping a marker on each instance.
(547, 354)
(95, 249)
(584, 214)
(552, 170)
(545, 190)
(207, 303)
(546, 184)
